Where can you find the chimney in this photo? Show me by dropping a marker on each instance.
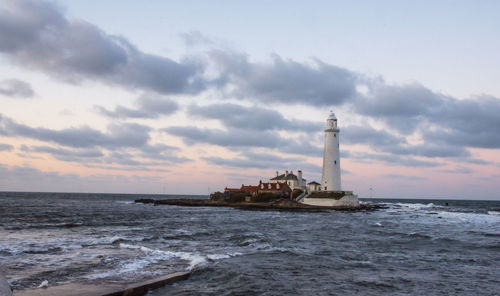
(277, 173)
(286, 172)
(299, 176)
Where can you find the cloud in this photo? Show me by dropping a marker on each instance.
(430, 150)
(147, 107)
(16, 89)
(38, 35)
(403, 107)
(404, 177)
(6, 147)
(118, 135)
(388, 143)
(458, 170)
(234, 138)
(242, 138)
(125, 144)
(440, 119)
(162, 152)
(143, 158)
(284, 81)
(257, 118)
(392, 160)
(368, 135)
(195, 38)
(65, 154)
(251, 159)
(25, 178)
(469, 122)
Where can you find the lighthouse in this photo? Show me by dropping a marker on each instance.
(330, 180)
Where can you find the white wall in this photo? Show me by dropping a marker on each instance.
(346, 201)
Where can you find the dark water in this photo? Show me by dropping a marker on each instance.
(415, 247)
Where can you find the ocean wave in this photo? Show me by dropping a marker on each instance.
(419, 235)
(117, 239)
(18, 249)
(45, 225)
(214, 257)
(127, 202)
(441, 212)
(193, 259)
(108, 240)
(415, 206)
(469, 217)
(484, 233)
(44, 284)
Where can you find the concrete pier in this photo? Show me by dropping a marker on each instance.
(137, 289)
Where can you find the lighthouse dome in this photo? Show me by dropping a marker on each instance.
(332, 116)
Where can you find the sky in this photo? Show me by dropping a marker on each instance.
(188, 97)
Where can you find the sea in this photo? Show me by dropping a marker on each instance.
(410, 247)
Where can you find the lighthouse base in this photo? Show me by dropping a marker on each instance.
(332, 199)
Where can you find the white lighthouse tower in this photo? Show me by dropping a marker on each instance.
(330, 181)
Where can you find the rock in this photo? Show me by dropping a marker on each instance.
(217, 196)
(350, 203)
(144, 200)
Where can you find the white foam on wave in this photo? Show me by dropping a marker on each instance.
(223, 256)
(416, 206)
(114, 239)
(193, 259)
(107, 240)
(469, 217)
(494, 213)
(154, 255)
(44, 284)
(218, 256)
(127, 202)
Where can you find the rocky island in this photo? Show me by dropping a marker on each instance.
(289, 191)
(279, 204)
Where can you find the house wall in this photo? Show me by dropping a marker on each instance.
(314, 187)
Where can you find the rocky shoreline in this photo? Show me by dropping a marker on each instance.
(277, 205)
